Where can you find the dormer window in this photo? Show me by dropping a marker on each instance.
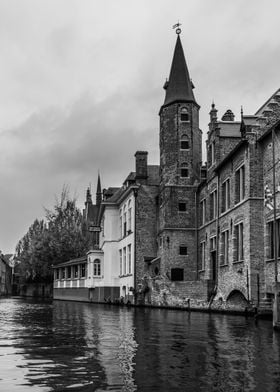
(184, 115)
(184, 143)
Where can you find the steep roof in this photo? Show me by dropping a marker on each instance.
(179, 87)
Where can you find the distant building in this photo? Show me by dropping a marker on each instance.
(185, 232)
(5, 276)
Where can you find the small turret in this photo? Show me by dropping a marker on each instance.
(213, 113)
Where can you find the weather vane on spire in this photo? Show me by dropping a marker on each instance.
(177, 27)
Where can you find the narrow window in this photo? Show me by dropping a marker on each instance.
(203, 212)
(184, 143)
(120, 262)
(202, 255)
(240, 184)
(224, 247)
(83, 270)
(97, 267)
(129, 258)
(184, 170)
(225, 195)
(213, 205)
(57, 273)
(129, 218)
(69, 272)
(184, 115)
(76, 271)
(124, 260)
(239, 242)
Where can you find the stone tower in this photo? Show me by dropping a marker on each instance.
(180, 161)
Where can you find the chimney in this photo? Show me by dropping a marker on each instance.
(141, 164)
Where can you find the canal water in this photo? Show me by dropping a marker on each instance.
(71, 346)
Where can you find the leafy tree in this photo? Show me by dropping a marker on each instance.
(61, 237)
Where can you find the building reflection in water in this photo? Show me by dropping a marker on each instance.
(80, 346)
(86, 347)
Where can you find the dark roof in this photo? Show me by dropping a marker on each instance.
(179, 86)
(71, 262)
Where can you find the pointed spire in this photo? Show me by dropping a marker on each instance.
(98, 191)
(179, 87)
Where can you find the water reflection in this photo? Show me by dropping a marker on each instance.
(86, 347)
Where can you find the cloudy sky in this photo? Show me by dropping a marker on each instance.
(81, 87)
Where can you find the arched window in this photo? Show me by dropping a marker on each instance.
(184, 114)
(97, 267)
(184, 171)
(184, 143)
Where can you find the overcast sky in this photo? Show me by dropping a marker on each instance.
(81, 87)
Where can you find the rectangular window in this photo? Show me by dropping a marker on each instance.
(271, 238)
(183, 250)
(213, 243)
(124, 260)
(129, 220)
(63, 273)
(76, 271)
(177, 274)
(203, 212)
(129, 258)
(121, 232)
(121, 262)
(69, 274)
(213, 205)
(239, 242)
(124, 225)
(182, 206)
(224, 247)
(83, 270)
(185, 145)
(97, 267)
(240, 184)
(225, 195)
(57, 273)
(184, 172)
(202, 255)
(212, 153)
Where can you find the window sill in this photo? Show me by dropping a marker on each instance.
(238, 261)
(272, 260)
(125, 276)
(200, 271)
(223, 265)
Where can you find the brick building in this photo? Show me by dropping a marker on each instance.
(186, 233)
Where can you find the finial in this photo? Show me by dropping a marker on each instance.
(213, 104)
(177, 27)
(241, 111)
